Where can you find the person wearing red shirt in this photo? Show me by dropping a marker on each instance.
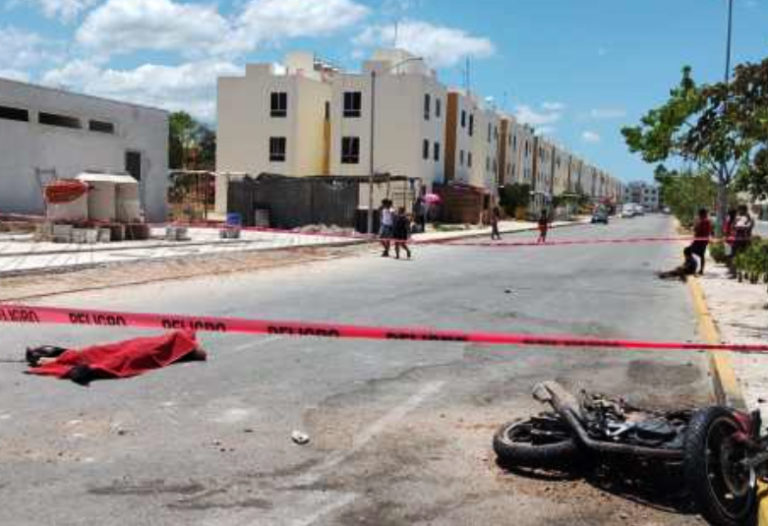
(702, 231)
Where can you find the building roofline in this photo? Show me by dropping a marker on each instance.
(85, 95)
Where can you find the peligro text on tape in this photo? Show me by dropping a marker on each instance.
(57, 315)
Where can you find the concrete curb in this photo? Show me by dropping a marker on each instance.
(725, 383)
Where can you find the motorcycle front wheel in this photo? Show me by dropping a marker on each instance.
(539, 442)
(721, 487)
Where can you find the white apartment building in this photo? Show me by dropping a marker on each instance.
(645, 194)
(485, 150)
(48, 133)
(409, 119)
(561, 170)
(274, 120)
(543, 172)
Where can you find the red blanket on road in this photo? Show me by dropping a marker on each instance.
(122, 359)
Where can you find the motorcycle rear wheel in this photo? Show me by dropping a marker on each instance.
(722, 490)
(535, 443)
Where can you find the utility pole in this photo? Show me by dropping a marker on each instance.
(722, 187)
(369, 229)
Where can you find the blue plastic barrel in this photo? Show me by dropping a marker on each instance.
(234, 219)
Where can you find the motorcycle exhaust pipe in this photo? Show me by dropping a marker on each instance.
(569, 408)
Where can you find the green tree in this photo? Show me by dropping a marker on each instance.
(686, 192)
(696, 125)
(515, 196)
(191, 145)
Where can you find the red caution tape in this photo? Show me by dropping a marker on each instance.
(38, 315)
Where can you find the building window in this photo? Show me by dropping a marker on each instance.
(463, 119)
(101, 127)
(461, 157)
(277, 149)
(427, 106)
(438, 108)
(514, 143)
(14, 114)
(425, 149)
(494, 165)
(352, 103)
(471, 125)
(63, 121)
(487, 164)
(469, 159)
(436, 152)
(350, 150)
(489, 132)
(279, 104)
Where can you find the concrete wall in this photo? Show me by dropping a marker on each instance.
(26, 146)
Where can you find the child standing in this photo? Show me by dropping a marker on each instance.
(495, 216)
(543, 227)
(402, 231)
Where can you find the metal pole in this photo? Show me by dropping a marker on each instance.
(369, 229)
(728, 45)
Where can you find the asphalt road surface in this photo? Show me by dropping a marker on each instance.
(400, 431)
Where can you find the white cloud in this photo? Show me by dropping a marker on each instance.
(608, 113)
(528, 115)
(14, 74)
(601, 52)
(590, 136)
(553, 106)
(22, 51)
(122, 26)
(190, 86)
(64, 10)
(441, 46)
(195, 30)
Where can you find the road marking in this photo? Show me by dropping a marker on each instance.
(257, 343)
(342, 501)
(361, 440)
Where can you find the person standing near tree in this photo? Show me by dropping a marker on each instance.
(702, 232)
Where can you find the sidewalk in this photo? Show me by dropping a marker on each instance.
(20, 255)
(739, 312)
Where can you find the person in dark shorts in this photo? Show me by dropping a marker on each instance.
(702, 231)
(402, 231)
(543, 227)
(688, 268)
(495, 216)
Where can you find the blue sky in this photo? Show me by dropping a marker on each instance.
(576, 69)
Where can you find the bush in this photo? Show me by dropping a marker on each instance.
(513, 197)
(752, 263)
(717, 251)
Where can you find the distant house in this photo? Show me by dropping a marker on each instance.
(48, 133)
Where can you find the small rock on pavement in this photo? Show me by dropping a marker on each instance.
(300, 438)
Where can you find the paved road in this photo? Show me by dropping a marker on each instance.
(400, 431)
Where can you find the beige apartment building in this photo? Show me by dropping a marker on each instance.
(274, 120)
(409, 119)
(307, 118)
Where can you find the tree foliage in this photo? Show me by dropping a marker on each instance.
(191, 144)
(515, 196)
(685, 192)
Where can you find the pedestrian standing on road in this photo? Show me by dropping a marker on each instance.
(702, 232)
(402, 231)
(543, 227)
(387, 226)
(420, 209)
(495, 216)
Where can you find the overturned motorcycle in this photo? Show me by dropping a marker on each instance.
(718, 451)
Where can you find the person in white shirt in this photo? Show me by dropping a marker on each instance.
(387, 229)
